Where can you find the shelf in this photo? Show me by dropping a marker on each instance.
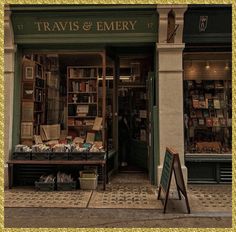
(82, 116)
(83, 78)
(131, 86)
(36, 87)
(80, 126)
(82, 103)
(82, 92)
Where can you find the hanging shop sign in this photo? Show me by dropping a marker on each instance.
(83, 25)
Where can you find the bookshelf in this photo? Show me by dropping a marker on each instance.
(82, 98)
(208, 116)
(32, 99)
(54, 105)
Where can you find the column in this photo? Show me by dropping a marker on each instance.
(9, 56)
(170, 85)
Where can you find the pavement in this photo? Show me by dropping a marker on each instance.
(129, 202)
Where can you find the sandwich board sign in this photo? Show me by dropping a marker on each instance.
(172, 163)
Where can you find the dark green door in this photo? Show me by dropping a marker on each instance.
(152, 126)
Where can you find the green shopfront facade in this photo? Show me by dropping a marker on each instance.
(119, 31)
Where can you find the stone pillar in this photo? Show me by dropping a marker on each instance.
(170, 85)
(9, 56)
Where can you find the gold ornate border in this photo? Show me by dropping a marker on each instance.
(107, 2)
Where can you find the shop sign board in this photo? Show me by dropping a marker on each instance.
(172, 163)
(77, 24)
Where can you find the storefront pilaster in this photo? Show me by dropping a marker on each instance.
(170, 84)
(9, 56)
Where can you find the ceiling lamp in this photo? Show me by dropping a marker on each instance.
(207, 65)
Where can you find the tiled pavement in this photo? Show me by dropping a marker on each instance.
(126, 191)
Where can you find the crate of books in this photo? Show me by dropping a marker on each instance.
(96, 155)
(41, 152)
(21, 155)
(60, 152)
(78, 152)
(65, 182)
(45, 183)
(88, 180)
(22, 152)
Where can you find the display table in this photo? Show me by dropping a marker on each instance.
(12, 163)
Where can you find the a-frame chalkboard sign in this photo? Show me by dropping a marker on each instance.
(172, 162)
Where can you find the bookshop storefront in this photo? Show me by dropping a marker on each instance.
(207, 82)
(108, 79)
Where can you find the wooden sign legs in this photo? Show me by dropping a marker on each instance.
(172, 162)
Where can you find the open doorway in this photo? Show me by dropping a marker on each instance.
(134, 112)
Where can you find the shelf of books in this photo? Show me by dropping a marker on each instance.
(208, 116)
(82, 92)
(32, 99)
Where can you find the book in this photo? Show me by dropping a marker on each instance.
(70, 122)
(219, 113)
(90, 137)
(210, 104)
(216, 103)
(195, 122)
(202, 104)
(215, 122)
(193, 114)
(142, 113)
(219, 85)
(209, 122)
(222, 121)
(97, 124)
(205, 113)
(201, 121)
(229, 122)
(199, 113)
(82, 109)
(208, 95)
(195, 103)
(212, 113)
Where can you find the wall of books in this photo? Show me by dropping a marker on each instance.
(208, 113)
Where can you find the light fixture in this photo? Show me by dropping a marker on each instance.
(227, 65)
(207, 65)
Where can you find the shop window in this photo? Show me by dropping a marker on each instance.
(208, 106)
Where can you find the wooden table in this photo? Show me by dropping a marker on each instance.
(11, 164)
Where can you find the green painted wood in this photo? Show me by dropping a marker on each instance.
(218, 26)
(84, 27)
(151, 91)
(81, 7)
(167, 170)
(155, 144)
(138, 155)
(17, 99)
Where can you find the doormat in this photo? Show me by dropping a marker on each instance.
(126, 196)
(29, 198)
(130, 178)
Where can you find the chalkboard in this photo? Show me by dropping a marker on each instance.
(172, 162)
(167, 169)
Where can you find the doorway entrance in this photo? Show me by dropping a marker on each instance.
(134, 111)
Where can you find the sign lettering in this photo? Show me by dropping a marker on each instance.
(60, 26)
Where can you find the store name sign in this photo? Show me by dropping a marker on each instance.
(72, 26)
(80, 24)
